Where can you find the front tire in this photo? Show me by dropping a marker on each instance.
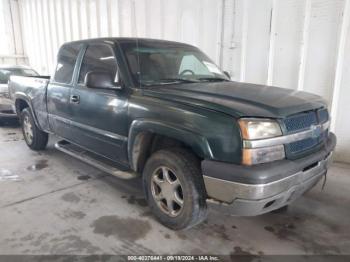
(175, 189)
(35, 138)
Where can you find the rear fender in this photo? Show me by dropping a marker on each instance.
(22, 96)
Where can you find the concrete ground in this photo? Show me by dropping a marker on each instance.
(53, 204)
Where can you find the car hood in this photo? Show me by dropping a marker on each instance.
(239, 99)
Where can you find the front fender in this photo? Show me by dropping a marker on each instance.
(198, 143)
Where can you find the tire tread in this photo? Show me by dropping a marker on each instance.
(186, 161)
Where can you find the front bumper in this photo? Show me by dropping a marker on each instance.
(7, 109)
(255, 190)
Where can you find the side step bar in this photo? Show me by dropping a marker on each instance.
(94, 160)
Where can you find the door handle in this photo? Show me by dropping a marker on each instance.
(74, 99)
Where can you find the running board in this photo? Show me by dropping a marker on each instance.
(94, 160)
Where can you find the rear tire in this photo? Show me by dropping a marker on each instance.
(35, 138)
(175, 189)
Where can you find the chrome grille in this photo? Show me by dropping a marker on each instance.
(323, 115)
(302, 145)
(301, 122)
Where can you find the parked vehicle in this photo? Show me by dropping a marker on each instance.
(164, 111)
(7, 109)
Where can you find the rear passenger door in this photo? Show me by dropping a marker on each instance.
(58, 91)
(99, 116)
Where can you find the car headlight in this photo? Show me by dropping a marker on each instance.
(259, 128)
(253, 129)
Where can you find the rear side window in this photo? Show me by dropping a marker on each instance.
(98, 57)
(65, 64)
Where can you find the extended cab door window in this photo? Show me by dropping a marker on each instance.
(66, 60)
(98, 58)
(58, 91)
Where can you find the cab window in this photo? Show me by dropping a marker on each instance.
(66, 60)
(98, 57)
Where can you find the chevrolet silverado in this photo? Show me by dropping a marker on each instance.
(164, 111)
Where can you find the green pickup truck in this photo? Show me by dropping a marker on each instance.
(164, 111)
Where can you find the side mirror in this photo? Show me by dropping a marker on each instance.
(101, 80)
(227, 74)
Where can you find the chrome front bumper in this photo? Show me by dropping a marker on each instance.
(254, 199)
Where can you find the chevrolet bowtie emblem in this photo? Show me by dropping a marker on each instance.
(316, 130)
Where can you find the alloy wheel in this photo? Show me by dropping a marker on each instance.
(28, 129)
(167, 191)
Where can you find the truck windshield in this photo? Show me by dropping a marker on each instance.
(158, 63)
(5, 73)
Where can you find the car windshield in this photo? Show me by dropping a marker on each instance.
(162, 63)
(5, 73)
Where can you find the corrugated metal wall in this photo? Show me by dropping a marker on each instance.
(49, 23)
(298, 44)
(11, 44)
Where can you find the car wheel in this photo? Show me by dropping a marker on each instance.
(34, 137)
(175, 189)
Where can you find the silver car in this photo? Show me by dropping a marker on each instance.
(7, 109)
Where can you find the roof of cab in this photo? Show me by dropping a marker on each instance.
(127, 40)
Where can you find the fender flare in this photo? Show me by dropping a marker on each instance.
(24, 97)
(198, 143)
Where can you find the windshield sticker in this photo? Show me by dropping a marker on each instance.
(212, 68)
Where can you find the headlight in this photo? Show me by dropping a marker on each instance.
(259, 128)
(253, 129)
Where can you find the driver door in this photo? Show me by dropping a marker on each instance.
(99, 116)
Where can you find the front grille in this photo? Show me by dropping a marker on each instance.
(302, 145)
(303, 121)
(299, 122)
(323, 115)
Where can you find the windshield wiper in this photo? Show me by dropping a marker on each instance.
(183, 80)
(213, 79)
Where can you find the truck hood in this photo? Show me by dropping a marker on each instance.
(239, 99)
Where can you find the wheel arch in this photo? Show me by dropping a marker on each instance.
(22, 102)
(143, 133)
